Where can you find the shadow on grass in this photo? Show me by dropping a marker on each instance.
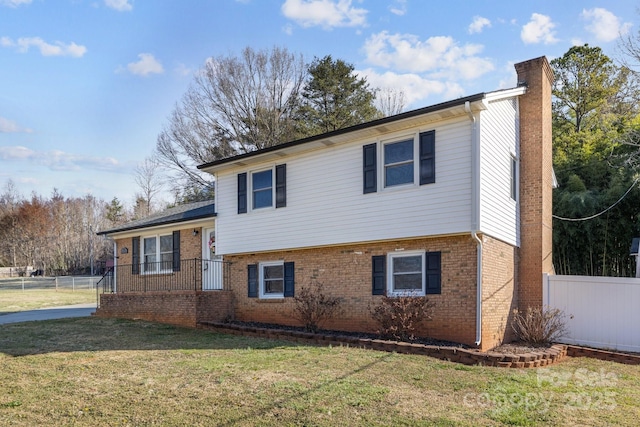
(259, 413)
(97, 334)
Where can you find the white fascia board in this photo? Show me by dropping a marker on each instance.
(158, 229)
(505, 93)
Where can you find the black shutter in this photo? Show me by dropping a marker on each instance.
(135, 255)
(369, 169)
(289, 279)
(433, 272)
(428, 157)
(379, 269)
(252, 285)
(281, 186)
(176, 250)
(242, 193)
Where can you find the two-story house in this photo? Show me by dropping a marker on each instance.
(452, 201)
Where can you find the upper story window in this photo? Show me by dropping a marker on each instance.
(403, 162)
(398, 163)
(265, 191)
(262, 189)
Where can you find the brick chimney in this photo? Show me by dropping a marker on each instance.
(536, 180)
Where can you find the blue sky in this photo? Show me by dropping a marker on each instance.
(87, 85)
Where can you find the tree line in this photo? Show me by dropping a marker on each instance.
(596, 130)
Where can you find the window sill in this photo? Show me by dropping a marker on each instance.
(274, 300)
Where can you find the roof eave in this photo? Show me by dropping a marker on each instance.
(116, 231)
(212, 167)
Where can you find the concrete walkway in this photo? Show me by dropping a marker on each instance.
(77, 310)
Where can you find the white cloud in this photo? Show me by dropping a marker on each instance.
(324, 13)
(440, 55)
(46, 49)
(8, 126)
(478, 24)
(539, 29)
(14, 3)
(400, 8)
(119, 5)
(145, 66)
(58, 160)
(415, 87)
(604, 25)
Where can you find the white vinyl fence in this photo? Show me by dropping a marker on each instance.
(601, 312)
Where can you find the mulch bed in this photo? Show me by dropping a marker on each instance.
(363, 335)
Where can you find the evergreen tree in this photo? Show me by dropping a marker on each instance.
(334, 97)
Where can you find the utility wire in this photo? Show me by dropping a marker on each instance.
(604, 211)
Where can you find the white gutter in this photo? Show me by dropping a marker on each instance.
(475, 214)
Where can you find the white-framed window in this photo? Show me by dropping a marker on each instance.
(157, 253)
(514, 172)
(262, 189)
(271, 279)
(399, 163)
(406, 272)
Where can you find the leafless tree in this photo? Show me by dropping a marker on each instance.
(9, 201)
(150, 180)
(390, 101)
(234, 105)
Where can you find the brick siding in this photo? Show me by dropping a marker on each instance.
(346, 272)
(498, 292)
(182, 308)
(536, 182)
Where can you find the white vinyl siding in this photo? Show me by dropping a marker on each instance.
(499, 136)
(326, 204)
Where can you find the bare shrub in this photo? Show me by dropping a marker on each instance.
(399, 316)
(539, 326)
(313, 306)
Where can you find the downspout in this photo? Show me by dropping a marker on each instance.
(475, 213)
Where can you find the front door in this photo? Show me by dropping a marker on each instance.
(212, 266)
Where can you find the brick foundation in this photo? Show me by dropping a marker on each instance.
(182, 308)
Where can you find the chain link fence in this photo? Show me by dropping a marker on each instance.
(67, 283)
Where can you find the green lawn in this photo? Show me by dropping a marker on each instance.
(30, 299)
(91, 371)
